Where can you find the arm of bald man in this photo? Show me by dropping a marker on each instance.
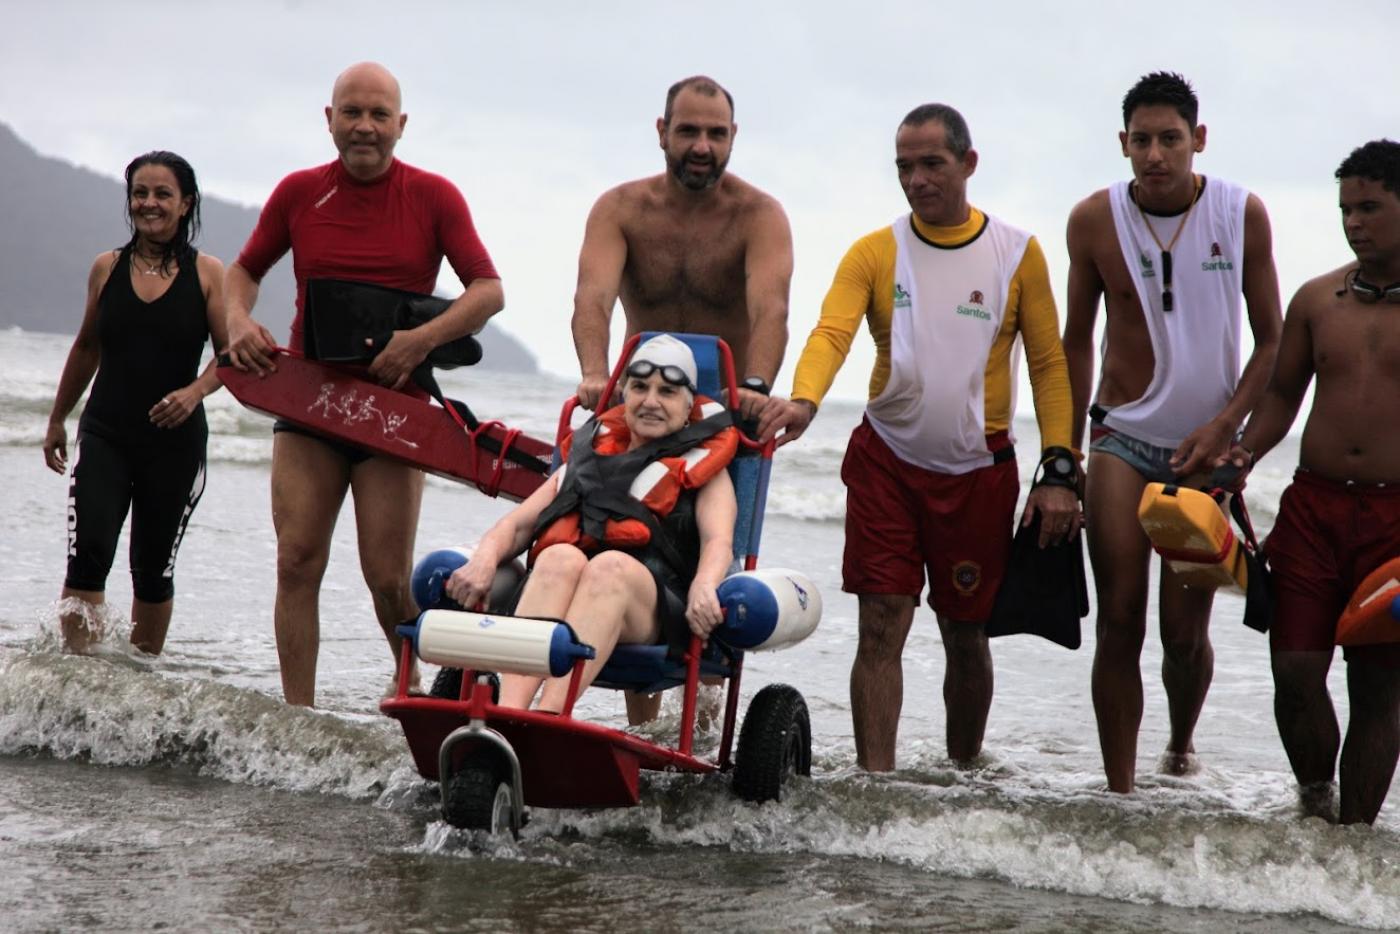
(600, 263)
(483, 296)
(250, 345)
(394, 365)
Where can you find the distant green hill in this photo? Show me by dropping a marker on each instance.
(55, 217)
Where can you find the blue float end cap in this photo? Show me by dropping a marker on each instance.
(429, 576)
(409, 631)
(1395, 608)
(565, 649)
(750, 611)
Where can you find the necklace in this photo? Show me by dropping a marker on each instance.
(1167, 250)
(152, 268)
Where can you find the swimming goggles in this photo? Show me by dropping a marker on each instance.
(672, 374)
(1369, 294)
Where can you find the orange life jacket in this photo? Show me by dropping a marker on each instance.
(610, 497)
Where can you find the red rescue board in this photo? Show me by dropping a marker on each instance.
(338, 404)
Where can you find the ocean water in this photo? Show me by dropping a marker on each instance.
(181, 793)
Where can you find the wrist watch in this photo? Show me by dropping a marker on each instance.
(1059, 468)
(756, 384)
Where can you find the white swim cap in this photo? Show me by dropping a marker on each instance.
(663, 352)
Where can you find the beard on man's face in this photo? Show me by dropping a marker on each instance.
(694, 174)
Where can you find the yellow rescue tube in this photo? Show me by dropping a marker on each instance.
(1191, 531)
(1369, 618)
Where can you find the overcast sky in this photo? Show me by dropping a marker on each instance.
(535, 108)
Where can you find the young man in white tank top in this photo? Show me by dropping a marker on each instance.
(1171, 254)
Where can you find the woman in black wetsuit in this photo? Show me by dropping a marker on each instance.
(151, 305)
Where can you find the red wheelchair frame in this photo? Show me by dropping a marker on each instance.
(494, 761)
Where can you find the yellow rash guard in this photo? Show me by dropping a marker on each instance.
(864, 288)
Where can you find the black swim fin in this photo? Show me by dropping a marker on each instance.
(349, 322)
(1044, 592)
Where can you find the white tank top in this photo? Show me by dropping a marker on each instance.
(949, 303)
(1196, 345)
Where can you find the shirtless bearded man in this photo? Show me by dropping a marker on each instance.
(1170, 253)
(1340, 519)
(693, 249)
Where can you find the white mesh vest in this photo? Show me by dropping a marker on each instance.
(949, 304)
(1196, 345)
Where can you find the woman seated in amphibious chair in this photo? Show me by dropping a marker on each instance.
(630, 538)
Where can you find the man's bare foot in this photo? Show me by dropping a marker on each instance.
(1179, 764)
(641, 708)
(1319, 799)
(709, 707)
(415, 686)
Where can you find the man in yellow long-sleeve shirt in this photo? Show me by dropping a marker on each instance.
(949, 294)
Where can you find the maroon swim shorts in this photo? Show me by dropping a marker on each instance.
(1329, 535)
(902, 520)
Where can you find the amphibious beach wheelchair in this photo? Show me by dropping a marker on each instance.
(492, 762)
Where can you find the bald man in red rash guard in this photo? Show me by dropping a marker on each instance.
(369, 217)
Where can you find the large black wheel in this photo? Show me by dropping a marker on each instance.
(775, 742)
(479, 796)
(447, 685)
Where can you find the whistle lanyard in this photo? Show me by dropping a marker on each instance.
(1167, 250)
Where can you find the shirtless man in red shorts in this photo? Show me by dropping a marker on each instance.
(1340, 518)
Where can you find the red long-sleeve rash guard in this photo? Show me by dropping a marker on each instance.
(392, 231)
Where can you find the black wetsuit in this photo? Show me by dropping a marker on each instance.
(122, 461)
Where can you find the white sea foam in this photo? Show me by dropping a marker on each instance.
(1137, 849)
(123, 714)
(816, 505)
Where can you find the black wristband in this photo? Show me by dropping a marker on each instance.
(1058, 467)
(756, 384)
